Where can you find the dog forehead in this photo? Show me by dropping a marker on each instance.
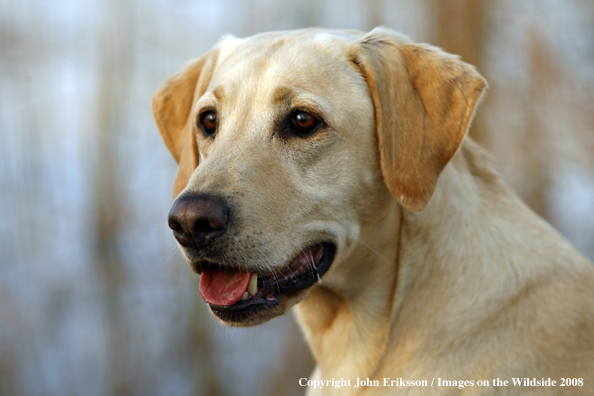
(302, 57)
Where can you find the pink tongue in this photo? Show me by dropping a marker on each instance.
(223, 287)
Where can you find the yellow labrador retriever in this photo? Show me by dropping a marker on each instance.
(330, 169)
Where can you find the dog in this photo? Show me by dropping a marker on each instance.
(330, 171)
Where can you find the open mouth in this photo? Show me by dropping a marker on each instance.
(228, 289)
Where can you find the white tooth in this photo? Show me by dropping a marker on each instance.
(253, 285)
(245, 296)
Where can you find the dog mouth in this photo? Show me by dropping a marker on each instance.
(228, 289)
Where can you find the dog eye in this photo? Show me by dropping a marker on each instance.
(303, 123)
(208, 119)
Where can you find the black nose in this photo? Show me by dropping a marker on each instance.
(197, 220)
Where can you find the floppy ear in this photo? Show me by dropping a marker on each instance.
(424, 101)
(172, 108)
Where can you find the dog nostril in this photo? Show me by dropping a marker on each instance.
(203, 226)
(213, 220)
(174, 225)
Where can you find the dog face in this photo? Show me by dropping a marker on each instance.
(290, 143)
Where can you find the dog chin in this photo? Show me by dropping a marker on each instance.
(257, 314)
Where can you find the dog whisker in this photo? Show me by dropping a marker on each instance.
(374, 251)
(314, 269)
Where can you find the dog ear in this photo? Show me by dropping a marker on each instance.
(424, 101)
(172, 109)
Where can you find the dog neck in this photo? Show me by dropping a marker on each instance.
(373, 306)
(346, 319)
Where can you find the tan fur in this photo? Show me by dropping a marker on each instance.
(441, 271)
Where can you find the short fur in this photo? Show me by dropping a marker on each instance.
(440, 271)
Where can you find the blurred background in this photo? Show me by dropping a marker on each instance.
(95, 299)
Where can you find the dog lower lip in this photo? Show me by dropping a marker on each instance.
(286, 281)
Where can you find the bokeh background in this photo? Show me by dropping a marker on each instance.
(95, 298)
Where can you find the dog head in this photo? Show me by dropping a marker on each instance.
(288, 143)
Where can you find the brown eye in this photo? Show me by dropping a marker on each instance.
(304, 123)
(208, 120)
